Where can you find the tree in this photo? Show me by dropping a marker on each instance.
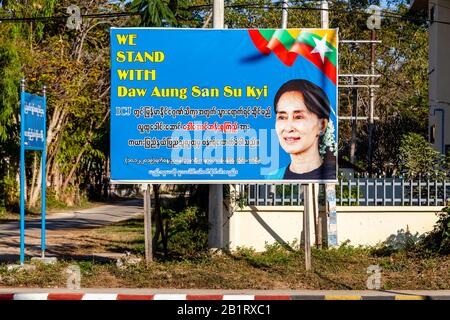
(156, 13)
(418, 159)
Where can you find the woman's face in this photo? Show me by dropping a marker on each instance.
(297, 128)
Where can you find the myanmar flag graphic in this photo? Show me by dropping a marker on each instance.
(318, 46)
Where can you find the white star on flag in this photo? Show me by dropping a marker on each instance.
(321, 47)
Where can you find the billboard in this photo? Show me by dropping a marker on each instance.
(223, 106)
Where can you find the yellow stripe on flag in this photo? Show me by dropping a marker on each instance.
(294, 32)
(331, 35)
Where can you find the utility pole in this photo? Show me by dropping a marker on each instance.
(373, 23)
(284, 15)
(310, 190)
(372, 101)
(354, 112)
(324, 14)
(218, 14)
(215, 203)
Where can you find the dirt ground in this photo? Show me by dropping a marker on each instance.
(96, 251)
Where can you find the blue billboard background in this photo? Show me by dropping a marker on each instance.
(194, 135)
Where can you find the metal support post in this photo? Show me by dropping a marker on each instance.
(215, 205)
(308, 209)
(44, 175)
(22, 173)
(148, 223)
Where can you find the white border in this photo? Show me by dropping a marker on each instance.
(299, 181)
(219, 181)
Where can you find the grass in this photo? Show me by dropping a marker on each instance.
(276, 268)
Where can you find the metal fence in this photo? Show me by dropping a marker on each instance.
(355, 192)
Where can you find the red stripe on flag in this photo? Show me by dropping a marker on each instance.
(259, 41)
(134, 297)
(65, 296)
(273, 297)
(7, 296)
(204, 297)
(287, 57)
(305, 51)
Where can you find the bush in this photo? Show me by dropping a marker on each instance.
(435, 242)
(187, 230)
(438, 240)
(419, 159)
(275, 254)
(402, 241)
(9, 194)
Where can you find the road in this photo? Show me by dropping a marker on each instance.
(57, 222)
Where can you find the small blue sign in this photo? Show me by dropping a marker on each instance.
(32, 137)
(34, 114)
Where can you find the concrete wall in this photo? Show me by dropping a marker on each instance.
(254, 226)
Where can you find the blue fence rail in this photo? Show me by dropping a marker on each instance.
(360, 191)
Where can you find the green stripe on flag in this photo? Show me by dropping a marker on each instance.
(307, 38)
(267, 33)
(285, 38)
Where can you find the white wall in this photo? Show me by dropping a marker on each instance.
(253, 226)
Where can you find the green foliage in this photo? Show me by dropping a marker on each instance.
(187, 230)
(53, 201)
(233, 196)
(419, 160)
(9, 191)
(9, 89)
(346, 249)
(403, 241)
(438, 240)
(274, 254)
(155, 13)
(347, 193)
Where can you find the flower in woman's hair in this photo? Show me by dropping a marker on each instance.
(328, 140)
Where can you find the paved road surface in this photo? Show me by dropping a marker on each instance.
(81, 219)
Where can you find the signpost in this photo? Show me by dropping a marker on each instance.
(32, 137)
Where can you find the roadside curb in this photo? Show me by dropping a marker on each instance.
(192, 297)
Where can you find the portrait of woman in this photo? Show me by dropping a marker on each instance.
(302, 112)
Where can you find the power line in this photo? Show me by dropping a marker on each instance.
(65, 17)
(234, 6)
(387, 14)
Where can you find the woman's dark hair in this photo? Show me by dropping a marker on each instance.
(316, 100)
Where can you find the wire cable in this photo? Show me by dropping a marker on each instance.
(386, 14)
